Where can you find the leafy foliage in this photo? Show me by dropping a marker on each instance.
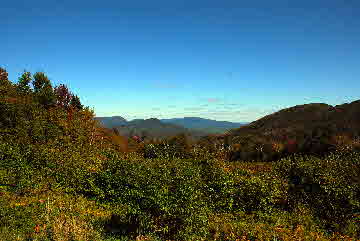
(4, 77)
(330, 186)
(63, 96)
(23, 84)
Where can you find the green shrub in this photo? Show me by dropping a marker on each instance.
(14, 167)
(218, 187)
(252, 194)
(176, 147)
(164, 196)
(329, 186)
(15, 222)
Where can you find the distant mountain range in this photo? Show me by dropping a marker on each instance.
(204, 125)
(113, 121)
(307, 122)
(192, 126)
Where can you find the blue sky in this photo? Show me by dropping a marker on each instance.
(223, 60)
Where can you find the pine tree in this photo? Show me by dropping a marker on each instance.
(75, 102)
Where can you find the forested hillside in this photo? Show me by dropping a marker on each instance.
(308, 129)
(154, 128)
(113, 121)
(293, 175)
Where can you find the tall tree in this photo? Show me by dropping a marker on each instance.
(24, 82)
(5, 83)
(40, 81)
(4, 77)
(75, 102)
(63, 96)
(43, 89)
(47, 96)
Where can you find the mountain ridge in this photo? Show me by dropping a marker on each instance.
(200, 126)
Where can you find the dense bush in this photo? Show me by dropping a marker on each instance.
(164, 196)
(15, 221)
(218, 187)
(330, 187)
(174, 147)
(252, 194)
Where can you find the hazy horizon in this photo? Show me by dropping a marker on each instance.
(163, 118)
(223, 120)
(227, 61)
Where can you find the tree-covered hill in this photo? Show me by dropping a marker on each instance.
(310, 129)
(345, 117)
(111, 122)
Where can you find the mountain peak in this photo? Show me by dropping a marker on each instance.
(307, 117)
(118, 118)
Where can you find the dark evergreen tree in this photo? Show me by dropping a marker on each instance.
(75, 102)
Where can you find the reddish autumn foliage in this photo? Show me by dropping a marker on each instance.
(3, 75)
(291, 146)
(63, 95)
